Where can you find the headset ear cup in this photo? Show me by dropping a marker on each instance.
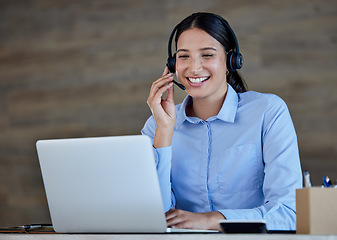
(239, 61)
(234, 61)
(230, 65)
(171, 64)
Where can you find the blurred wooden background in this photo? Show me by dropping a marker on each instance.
(71, 68)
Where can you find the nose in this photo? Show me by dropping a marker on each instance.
(196, 66)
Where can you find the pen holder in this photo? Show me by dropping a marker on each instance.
(316, 210)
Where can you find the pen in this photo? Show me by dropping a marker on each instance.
(326, 182)
(307, 180)
(30, 226)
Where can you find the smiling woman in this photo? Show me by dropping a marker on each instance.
(219, 29)
(224, 152)
(201, 65)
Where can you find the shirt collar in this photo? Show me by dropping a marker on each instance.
(230, 106)
(227, 112)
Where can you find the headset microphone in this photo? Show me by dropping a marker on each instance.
(182, 87)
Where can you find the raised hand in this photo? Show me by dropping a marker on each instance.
(163, 110)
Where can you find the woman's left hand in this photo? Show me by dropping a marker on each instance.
(176, 218)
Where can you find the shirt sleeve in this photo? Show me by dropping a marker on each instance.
(163, 158)
(282, 171)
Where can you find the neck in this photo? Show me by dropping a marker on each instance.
(205, 108)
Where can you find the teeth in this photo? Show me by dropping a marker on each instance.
(197, 80)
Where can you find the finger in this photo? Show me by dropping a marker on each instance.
(173, 222)
(163, 78)
(170, 94)
(170, 214)
(175, 217)
(161, 81)
(159, 94)
(156, 99)
(180, 223)
(166, 71)
(183, 225)
(170, 211)
(157, 85)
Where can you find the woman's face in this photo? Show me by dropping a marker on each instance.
(201, 64)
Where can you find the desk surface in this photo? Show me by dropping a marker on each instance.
(22, 236)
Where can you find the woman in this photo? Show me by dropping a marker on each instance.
(224, 152)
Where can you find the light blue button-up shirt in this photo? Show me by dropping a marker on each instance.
(244, 162)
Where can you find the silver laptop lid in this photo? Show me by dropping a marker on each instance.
(106, 184)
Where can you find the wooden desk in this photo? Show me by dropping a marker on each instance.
(19, 236)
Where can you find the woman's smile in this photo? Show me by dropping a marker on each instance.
(197, 79)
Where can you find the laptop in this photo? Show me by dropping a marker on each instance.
(102, 185)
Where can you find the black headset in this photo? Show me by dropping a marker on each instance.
(234, 58)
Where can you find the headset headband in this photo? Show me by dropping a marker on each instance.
(170, 41)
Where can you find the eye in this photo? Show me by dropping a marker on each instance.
(207, 55)
(183, 56)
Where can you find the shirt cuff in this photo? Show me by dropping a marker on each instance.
(162, 155)
(241, 213)
(163, 163)
(275, 221)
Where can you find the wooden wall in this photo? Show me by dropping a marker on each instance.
(84, 68)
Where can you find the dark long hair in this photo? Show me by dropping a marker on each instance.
(211, 23)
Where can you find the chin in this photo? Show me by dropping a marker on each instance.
(196, 93)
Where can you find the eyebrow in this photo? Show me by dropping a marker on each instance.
(202, 49)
